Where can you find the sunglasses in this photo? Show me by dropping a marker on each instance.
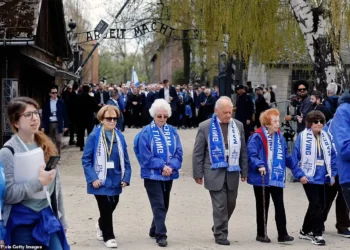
(302, 90)
(162, 116)
(319, 121)
(111, 119)
(54, 93)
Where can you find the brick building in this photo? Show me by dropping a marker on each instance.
(90, 70)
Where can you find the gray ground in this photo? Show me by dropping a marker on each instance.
(189, 219)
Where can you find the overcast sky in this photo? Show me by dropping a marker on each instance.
(95, 10)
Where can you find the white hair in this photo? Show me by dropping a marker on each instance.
(158, 105)
(207, 91)
(332, 88)
(221, 99)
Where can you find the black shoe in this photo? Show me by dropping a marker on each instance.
(162, 242)
(285, 238)
(305, 236)
(263, 239)
(72, 143)
(152, 234)
(223, 242)
(318, 240)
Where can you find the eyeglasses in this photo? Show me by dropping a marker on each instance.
(29, 115)
(54, 93)
(111, 119)
(162, 116)
(302, 90)
(319, 121)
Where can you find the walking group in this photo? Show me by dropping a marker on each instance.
(33, 212)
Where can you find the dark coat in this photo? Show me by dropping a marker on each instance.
(260, 106)
(173, 94)
(150, 98)
(209, 106)
(61, 115)
(70, 99)
(324, 110)
(97, 97)
(245, 108)
(86, 106)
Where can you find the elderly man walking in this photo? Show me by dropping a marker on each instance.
(220, 157)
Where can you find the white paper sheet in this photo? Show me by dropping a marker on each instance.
(26, 168)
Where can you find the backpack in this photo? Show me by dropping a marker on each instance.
(10, 148)
(136, 144)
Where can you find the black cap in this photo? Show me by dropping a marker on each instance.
(259, 88)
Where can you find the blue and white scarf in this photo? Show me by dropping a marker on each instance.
(275, 159)
(217, 146)
(163, 144)
(309, 155)
(101, 155)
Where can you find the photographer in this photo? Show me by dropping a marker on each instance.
(304, 105)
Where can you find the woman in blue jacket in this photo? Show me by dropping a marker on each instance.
(267, 158)
(159, 153)
(316, 156)
(107, 170)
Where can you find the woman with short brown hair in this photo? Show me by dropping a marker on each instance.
(316, 156)
(107, 170)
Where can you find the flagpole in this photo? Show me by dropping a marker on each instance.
(101, 38)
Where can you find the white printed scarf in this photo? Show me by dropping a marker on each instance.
(101, 155)
(309, 155)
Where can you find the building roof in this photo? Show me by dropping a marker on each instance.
(19, 19)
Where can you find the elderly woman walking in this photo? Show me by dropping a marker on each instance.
(316, 156)
(33, 212)
(159, 152)
(268, 158)
(107, 170)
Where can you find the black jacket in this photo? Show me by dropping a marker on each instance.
(245, 108)
(85, 106)
(173, 94)
(97, 97)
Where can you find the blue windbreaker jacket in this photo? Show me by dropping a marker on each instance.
(257, 159)
(152, 167)
(112, 185)
(340, 131)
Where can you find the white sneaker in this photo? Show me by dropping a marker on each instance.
(99, 234)
(111, 243)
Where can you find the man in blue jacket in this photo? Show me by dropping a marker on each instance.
(339, 129)
(335, 192)
(54, 118)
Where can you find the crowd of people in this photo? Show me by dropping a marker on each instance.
(226, 151)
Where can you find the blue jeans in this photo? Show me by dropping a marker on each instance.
(22, 235)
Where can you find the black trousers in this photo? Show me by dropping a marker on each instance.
(81, 127)
(72, 130)
(341, 209)
(346, 192)
(159, 196)
(106, 205)
(280, 213)
(313, 221)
